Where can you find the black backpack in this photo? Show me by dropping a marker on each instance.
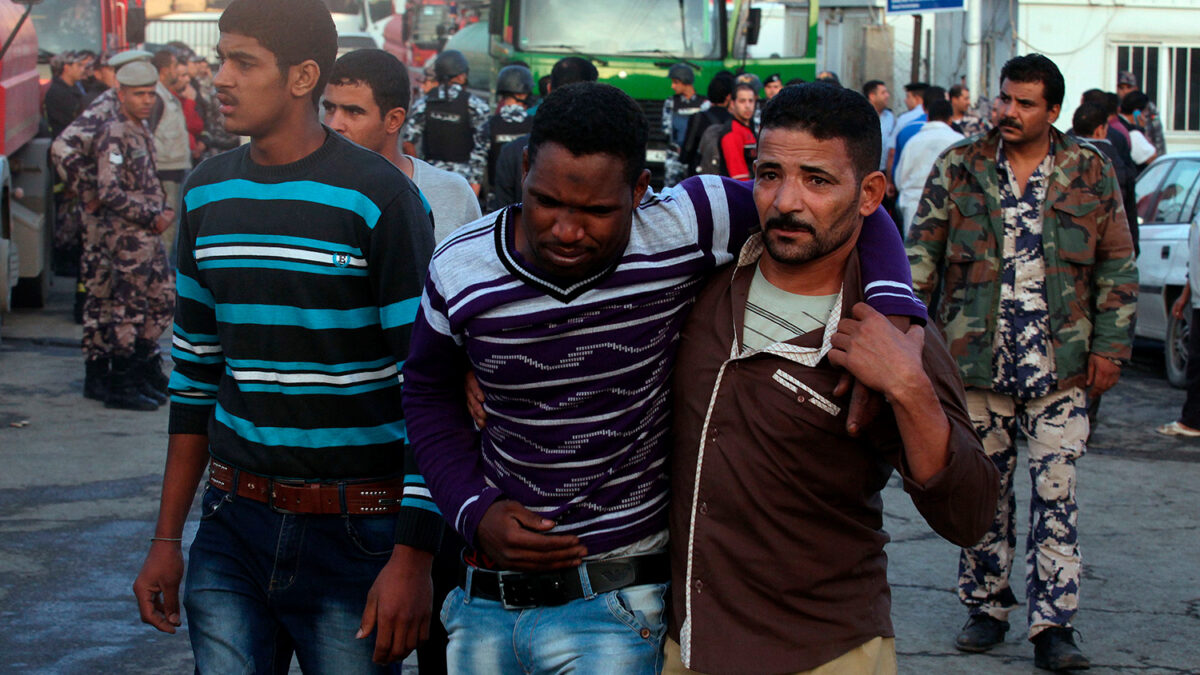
(709, 158)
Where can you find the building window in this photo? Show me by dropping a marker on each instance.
(1174, 68)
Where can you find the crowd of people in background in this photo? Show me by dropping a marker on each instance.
(142, 215)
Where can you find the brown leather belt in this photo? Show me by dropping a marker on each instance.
(356, 499)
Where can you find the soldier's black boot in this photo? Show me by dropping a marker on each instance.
(149, 364)
(1054, 649)
(981, 633)
(123, 391)
(95, 379)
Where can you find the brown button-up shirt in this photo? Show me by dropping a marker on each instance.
(776, 517)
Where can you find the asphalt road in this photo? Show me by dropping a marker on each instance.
(79, 487)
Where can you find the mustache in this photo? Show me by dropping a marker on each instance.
(789, 222)
(1011, 123)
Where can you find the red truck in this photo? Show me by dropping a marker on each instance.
(34, 31)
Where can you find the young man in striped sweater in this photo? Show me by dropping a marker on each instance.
(301, 262)
(568, 307)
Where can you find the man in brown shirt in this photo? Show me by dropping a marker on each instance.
(776, 517)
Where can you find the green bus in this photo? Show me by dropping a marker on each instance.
(633, 43)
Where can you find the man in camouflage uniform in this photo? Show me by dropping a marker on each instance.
(676, 113)
(75, 161)
(133, 291)
(447, 127)
(1023, 235)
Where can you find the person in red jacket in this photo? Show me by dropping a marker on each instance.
(739, 147)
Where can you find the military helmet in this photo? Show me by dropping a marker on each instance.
(682, 72)
(515, 81)
(450, 64)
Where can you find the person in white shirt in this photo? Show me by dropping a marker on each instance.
(879, 97)
(919, 156)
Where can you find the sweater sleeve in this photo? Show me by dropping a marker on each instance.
(401, 244)
(887, 278)
(196, 347)
(445, 442)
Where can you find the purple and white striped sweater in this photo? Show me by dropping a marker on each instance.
(576, 379)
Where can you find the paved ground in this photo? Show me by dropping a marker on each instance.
(79, 487)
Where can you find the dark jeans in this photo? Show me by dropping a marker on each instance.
(263, 585)
(1191, 405)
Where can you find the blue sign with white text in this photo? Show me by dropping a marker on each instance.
(920, 6)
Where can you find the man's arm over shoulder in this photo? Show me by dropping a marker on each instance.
(1115, 275)
(886, 276)
(926, 241)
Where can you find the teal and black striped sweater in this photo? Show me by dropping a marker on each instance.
(298, 285)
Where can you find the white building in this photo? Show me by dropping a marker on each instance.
(1090, 40)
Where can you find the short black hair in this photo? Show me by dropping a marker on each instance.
(956, 90)
(589, 118)
(828, 111)
(932, 94)
(1087, 118)
(720, 88)
(939, 110)
(870, 87)
(543, 85)
(1036, 68)
(916, 87)
(163, 59)
(1134, 100)
(294, 31)
(744, 85)
(1112, 102)
(379, 70)
(1096, 96)
(794, 81)
(572, 69)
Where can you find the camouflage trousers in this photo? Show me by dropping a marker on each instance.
(673, 169)
(1056, 427)
(130, 287)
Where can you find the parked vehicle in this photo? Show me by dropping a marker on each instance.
(1168, 198)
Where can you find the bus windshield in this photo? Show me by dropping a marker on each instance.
(668, 28)
(67, 24)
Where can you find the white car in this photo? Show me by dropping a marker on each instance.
(1168, 199)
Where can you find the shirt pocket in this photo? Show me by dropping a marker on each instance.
(970, 239)
(1075, 234)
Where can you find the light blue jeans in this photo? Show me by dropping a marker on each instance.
(616, 632)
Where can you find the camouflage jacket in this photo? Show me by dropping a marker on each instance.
(126, 176)
(72, 153)
(955, 246)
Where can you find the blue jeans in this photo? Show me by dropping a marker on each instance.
(263, 585)
(616, 632)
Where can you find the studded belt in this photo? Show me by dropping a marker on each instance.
(346, 497)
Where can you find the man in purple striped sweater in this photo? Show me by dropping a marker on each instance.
(568, 308)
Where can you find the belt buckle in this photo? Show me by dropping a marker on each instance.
(272, 497)
(520, 590)
(517, 591)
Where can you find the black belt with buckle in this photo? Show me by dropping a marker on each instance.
(525, 590)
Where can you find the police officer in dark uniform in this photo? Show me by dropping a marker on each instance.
(676, 113)
(514, 86)
(447, 128)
